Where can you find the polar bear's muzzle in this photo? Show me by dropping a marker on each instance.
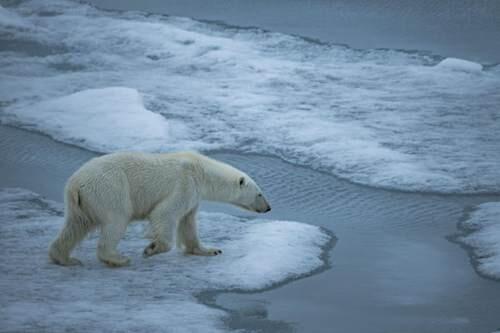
(261, 205)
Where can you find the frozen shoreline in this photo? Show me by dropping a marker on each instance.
(391, 246)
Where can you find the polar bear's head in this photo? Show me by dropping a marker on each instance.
(249, 196)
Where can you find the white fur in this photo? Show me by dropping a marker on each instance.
(111, 191)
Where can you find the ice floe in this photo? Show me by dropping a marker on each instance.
(106, 120)
(151, 294)
(483, 228)
(460, 65)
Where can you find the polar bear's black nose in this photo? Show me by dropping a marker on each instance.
(268, 209)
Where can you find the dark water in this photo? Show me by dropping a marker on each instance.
(391, 270)
(467, 29)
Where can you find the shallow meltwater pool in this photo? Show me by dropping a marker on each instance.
(390, 267)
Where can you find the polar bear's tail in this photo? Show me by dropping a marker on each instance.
(76, 227)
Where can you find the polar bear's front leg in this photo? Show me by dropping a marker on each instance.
(187, 235)
(157, 246)
(163, 224)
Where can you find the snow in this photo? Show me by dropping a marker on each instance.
(460, 65)
(106, 120)
(484, 238)
(384, 118)
(151, 294)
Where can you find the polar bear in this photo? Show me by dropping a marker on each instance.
(111, 191)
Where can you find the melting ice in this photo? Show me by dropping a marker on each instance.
(394, 119)
(483, 227)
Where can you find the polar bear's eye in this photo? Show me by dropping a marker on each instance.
(259, 195)
(242, 181)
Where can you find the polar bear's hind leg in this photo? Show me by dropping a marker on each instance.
(111, 234)
(71, 234)
(76, 226)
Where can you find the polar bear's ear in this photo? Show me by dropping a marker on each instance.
(242, 181)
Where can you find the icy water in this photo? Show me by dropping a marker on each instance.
(391, 268)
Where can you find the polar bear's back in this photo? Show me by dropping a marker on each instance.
(133, 164)
(133, 182)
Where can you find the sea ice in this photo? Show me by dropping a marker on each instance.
(107, 119)
(483, 227)
(385, 118)
(152, 294)
(460, 65)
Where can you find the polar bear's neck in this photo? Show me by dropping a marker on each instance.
(219, 181)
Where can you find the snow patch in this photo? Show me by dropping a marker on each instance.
(151, 294)
(107, 119)
(460, 65)
(484, 238)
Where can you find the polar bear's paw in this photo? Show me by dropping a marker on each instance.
(115, 260)
(156, 247)
(68, 262)
(73, 262)
(203, 251)
(62, 258)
